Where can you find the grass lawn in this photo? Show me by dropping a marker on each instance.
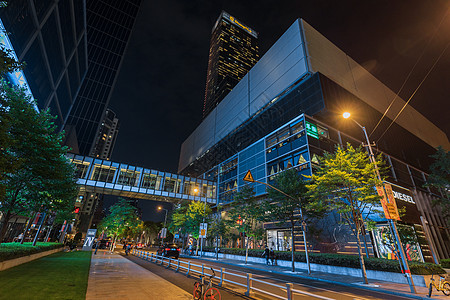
(63, 275)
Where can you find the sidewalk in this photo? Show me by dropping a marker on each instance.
(375, 285)
(113, 277)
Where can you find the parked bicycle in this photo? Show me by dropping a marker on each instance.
(208, 292)
(443, 286)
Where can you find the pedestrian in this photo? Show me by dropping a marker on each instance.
(266, 254)
(96, 246)
(272, 256)
(128, 249)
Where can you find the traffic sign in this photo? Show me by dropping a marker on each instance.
(389, 208)
(203, 229)
(249, 177)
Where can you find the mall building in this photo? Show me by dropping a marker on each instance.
(288, 110)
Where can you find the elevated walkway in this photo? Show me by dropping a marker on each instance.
(112, 178)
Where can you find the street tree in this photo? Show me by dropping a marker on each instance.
(150, 231)
(439, 178)
(217, 229)
(296, 208)
(187, 217)
(122, 221)
(345, 182)
(245, 215)
(42, 177)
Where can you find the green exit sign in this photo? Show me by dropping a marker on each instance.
(311, 130)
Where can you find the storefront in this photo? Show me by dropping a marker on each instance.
(409, 227)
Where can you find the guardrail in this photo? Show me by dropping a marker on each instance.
(224, 277)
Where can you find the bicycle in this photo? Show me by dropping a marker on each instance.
(206, 293)
(444, 286)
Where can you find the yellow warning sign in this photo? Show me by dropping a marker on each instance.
(249, 177)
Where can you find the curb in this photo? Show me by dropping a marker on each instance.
(390, 292)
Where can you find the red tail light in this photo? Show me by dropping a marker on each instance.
(167, 249)
(179, 250)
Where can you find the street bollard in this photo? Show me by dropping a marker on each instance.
(222, 276)
(170, 260)
(289, 291)
(162, 260)
(178, 266)
(189, 268)
(249, 284)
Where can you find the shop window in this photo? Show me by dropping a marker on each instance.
(323, 132)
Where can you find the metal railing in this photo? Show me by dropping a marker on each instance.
(224, 277)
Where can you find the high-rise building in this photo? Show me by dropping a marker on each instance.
(106, 137)
(109, 27)
(50, 37)
(294, 99)
(232, 53)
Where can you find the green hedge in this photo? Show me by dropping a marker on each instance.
(342, 260)
(445, 263)
(15, 250)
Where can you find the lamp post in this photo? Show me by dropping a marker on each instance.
(196, 190)
(165, 219)
(404, 261)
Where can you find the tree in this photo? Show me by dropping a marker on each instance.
(122, 221)
(42, 178)
(151, 230)
(345, 182)
(188, 216)
(440, 178)
(295, 208)
(245, 215)
(217, 229)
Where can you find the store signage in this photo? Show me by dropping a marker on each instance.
(311, 130)
(403, 197)
(239, 24)
(89, 240)
(389, 208)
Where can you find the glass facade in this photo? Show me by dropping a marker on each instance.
(106, 177)
(109, 26)
(43, 35)
(232, 53)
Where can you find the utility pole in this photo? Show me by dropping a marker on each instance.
(393, 226)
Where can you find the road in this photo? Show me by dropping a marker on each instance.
(303, 288)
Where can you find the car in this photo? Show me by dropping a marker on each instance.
(169, 250)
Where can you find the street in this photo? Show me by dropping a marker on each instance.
(303, 288)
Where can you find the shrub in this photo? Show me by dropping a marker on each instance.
(342, 260)
(15, 250)
(445, 263)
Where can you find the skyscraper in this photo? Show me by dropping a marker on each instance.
(232, 53)
(106, 137)
(50, 37)
(109, 27)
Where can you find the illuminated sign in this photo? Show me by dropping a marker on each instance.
(239, 24)
(403, 197)
(311, 130)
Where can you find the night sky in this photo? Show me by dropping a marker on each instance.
(160, 90)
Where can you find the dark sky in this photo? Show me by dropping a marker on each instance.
(160, 89)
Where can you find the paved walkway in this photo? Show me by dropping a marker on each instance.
(376, 285)
(114, 277)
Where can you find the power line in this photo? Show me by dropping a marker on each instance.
(423, 80)
(409, 74)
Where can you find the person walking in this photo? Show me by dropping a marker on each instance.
(272, 256)
(266, 254)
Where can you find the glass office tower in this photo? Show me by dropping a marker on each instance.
(50, 37)
(233, 52)
(109, 26)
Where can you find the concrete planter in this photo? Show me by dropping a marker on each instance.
(24, 259)
(419, 280)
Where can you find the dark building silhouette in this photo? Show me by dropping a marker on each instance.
(232, 53)
(106, 137)
(109, 27)
(50, 36)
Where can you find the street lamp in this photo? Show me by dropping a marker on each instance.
(392, 224)
(165, 219)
